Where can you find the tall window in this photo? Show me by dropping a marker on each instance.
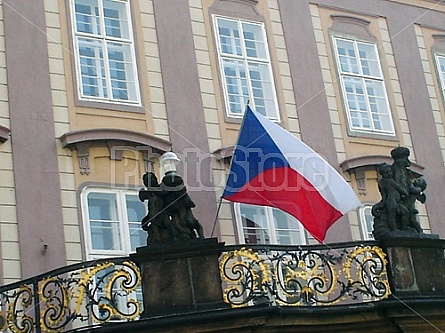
(245, 67)
(367, 222)
(112, 221)
(440, 63)
(105, 59)
(267, 225)
(363, 86)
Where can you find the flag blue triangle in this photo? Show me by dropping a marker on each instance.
(254, 153)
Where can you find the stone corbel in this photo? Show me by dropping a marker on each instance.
(4, 133)
(225, 154)
(83, 154)
(360, 179)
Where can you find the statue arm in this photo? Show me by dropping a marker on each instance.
(399, 188)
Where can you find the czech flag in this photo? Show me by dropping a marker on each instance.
(271, 167)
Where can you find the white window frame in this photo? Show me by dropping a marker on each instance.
(440, 62)
(366, 222)
(104, 43)
(244, 60)
(270, 225)
(122, 221)
(382, 109)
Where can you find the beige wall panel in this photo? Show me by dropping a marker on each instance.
(126, 172)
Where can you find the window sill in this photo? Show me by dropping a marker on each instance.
(107, 105)
(372, 135)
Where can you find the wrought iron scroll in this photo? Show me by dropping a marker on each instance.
(94, 293)
(304, 277)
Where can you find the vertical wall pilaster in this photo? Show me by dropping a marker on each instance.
(36, 175)
(185, 111)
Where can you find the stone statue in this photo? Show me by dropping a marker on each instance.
(170, 217)
(395, 215)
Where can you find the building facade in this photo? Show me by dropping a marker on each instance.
(93, 92)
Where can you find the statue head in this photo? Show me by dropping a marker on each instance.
(150, 180)
(420, 183)
(400, 156)
(385, 170)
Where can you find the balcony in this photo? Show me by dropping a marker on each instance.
(397, 286)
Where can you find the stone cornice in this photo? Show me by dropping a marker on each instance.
(125, 137)
(117, 140)
(373, 160)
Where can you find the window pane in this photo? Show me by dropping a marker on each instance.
(367, 221)
(105, 236)
(87, 16)
(121, 71)
(262, 89)
(253, 40)
(138, 237)
(135, 208)
(236, 85)
(287, 228)
(92, 68)
(347, 56)
(378, 105)
(116, 20)
(135, 213)
(254, 223)
(368, 60)
(104, 223)
(229, 37)
(358, 110)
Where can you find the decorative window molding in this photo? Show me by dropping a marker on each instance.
(358, 166)
(244, 64)
(117, 140)
(224, 154)
(237, 8)
(104, 52)
(351, 164)
(439, 43)
(267, 225)
(4, 133)
(352, 26)
(111, 220)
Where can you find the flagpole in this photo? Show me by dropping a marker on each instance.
(216, 216)
(230, 167)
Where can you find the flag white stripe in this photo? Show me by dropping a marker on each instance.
(331, 185)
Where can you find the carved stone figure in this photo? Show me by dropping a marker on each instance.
(170, 217)
(395, 215)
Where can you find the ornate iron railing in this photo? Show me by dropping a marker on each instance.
(307, 276)
(101, 291)
(75, 296)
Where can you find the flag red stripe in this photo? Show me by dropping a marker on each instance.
(286, 189)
